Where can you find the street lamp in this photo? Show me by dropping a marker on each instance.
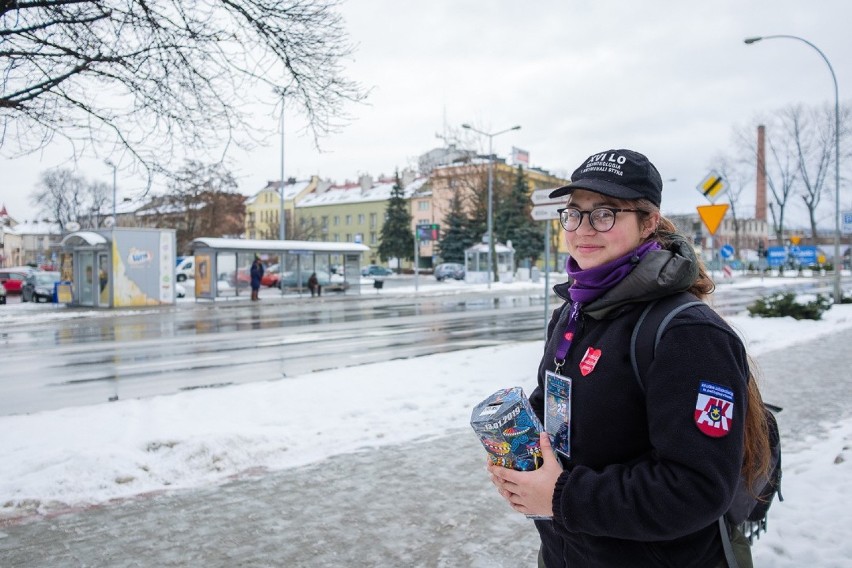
(111, 164)
(491, 135)
(282, 225)
(837, 290)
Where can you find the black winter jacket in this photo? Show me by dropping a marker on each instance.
(644, 486)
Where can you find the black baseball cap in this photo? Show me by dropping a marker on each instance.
(624, 174)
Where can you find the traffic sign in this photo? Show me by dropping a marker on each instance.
(776, 256)
(805, 255)
(712, 215)
(546, 212)
(712, 186)
(727, 251)
(847, 222)
(542, 196)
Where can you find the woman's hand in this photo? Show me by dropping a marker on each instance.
(529, 492)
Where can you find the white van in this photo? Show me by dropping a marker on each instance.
(186, 269)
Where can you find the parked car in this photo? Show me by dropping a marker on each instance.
(185, 269)
(376, 270)
(329, 283)
(270, 276)
(2, 294)
(13, 278)
(38, 287)
(449, 270)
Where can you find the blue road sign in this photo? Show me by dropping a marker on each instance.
(805, 255)
(727, 251)
(776, 256)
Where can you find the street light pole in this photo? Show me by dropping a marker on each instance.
(282, 225)
(112, 165)
(492, 268)
(837, 259)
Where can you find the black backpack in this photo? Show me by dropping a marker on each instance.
(748, 511)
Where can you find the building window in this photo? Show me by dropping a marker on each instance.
(423, 206)
(373, 238)
(372, 220)
(360, 218)
(336, 220)
(348, 221)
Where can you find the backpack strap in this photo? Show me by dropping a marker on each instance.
(656, 316)
(727, 546)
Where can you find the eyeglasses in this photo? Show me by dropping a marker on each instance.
(602, 219)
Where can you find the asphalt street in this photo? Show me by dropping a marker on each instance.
(425, 504)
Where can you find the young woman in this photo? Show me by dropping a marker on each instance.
(650, 472)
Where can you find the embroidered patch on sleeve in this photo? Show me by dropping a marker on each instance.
(714, 409)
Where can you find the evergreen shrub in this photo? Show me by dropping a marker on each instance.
(783, 304)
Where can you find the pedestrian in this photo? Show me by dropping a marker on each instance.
(256, 275)
(314, 285)
(646, 480)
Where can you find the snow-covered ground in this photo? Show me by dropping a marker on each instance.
(50, 461)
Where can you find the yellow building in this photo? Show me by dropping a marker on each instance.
(352, 212)
(263, 210)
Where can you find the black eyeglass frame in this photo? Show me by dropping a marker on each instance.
(613, 210)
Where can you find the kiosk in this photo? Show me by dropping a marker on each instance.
(119, 267)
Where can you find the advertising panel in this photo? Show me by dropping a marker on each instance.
(143, 264)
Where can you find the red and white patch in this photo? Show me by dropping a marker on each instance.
(569, 336)
(590, 359)
(714, 409)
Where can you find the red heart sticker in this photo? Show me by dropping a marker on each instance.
(590, 359)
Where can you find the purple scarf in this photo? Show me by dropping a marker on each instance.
(593, 283)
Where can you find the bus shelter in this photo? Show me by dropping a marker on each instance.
(476, 263)
(118, 267)
(222, 266)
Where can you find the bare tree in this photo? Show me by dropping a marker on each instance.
(812, 131)
(201, 201)
(64, 196)
(152, 77)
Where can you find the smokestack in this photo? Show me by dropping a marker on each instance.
(760, 200)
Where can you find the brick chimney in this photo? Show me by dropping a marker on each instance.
(760, 198)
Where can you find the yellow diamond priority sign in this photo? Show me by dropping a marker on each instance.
(712, 186)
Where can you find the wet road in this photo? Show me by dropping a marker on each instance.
(103, 355)
(55, 364)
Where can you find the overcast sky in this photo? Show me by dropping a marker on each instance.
(669, 79)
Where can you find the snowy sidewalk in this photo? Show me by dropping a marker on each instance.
(426, 504)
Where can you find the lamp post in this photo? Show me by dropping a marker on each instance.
(491, 255)
(111, 164)
(282, 225)
(837, 290)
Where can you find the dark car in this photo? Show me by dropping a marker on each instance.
(449, 270)
(376, 270)
(38, 287)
